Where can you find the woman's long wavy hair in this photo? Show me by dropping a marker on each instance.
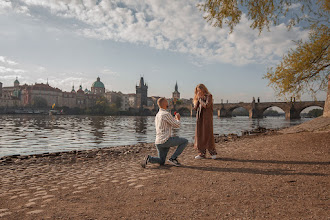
(203, 88)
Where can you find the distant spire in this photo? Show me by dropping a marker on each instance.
(176, 86)
(141, 81)
(47, 80)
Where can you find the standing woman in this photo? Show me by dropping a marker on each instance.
(204, 139)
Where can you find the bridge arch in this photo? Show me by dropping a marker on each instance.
(239, 111)
(307, 109)
(228, 112)
(264, 108)
(274, 108)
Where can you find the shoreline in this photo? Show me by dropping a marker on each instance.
(317, 124)
(125, 149)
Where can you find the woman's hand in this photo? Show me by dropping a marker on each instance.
(200, 95)
(205, 102)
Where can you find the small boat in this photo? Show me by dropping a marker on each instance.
(54, 112)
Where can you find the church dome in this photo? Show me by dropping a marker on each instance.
(98, 83)
(16, 82)
(80, 90)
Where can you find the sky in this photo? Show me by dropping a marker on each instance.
(73, 42)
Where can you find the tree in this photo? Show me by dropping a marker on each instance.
(271, 112)
(118, 102)
(178, 102)
(240, 112)
(103, 107)
(315, 113)
(303, 69)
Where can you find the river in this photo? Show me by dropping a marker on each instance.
(32, 134)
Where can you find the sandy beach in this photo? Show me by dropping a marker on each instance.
(277, 175)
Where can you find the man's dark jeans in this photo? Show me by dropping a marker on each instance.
(164, 148)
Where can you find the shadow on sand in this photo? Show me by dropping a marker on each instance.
(275, 161)
(274, 172)
(285, 172)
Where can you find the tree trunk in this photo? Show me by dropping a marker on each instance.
(326, 112)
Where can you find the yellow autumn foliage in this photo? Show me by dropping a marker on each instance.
(304, 69)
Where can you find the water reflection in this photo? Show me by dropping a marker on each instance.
(28, 134)
(140, 124)
(255, 123)
(97, 124)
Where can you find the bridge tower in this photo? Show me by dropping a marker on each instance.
(254, 111)
(292, 112)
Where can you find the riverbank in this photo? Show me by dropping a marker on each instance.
(274, 175)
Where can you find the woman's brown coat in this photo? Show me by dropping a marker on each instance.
(204, 139)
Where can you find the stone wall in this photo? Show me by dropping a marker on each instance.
(326, 112)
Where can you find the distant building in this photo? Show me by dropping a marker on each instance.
(176, 93)
(125, 103)
(132, 100)
(27, 96)
(150, 101)
(141, 94)
(10, 96)
(121, 100)
(46, 95)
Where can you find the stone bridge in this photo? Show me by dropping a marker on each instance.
(256, 109)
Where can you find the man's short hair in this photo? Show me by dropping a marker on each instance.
(160, 101)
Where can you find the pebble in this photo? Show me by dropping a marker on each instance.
(48, 200)
(30, 204)
(35, 212)
(93, 188)
(55, 189)
(48, 196)
(143, 178)
(34, 199)
(24, 194)
(4, 214)
(82, 187)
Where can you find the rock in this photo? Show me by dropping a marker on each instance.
(54, 154)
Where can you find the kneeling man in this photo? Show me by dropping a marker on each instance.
(164, 123)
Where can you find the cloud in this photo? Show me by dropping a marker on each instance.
(6, 6)
(109, 72)
(170, 25)
(66, 83)
(4, 69)
(4, 60)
